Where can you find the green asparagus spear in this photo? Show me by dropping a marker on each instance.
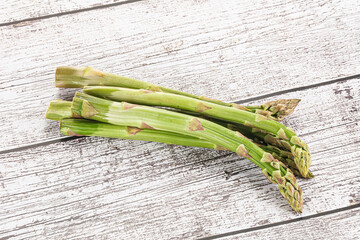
(78, 77)
(153, 118)
(84, 127)
(62, 110)
(287, 137)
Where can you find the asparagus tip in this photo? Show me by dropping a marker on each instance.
(282, 108)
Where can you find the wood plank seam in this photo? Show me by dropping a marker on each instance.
(44, 143)
(69, 12)
(302, 88)
(68, 138)
(253, 229)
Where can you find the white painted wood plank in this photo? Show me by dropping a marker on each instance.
(226, 50)
(342, 225)
(109, 188)
(13, 11)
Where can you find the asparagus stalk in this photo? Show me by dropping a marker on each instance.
(84, 127)
(77, 127)
(79, 77)
(153, 118)
(287, 137)
(59, 109)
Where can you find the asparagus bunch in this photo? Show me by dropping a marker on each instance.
(152, 124)
(109, 107)
(277, 134)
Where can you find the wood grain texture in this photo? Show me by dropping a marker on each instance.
(95, 188)
(229, 50)
(107, 188)
(15, 11)
(342, 225)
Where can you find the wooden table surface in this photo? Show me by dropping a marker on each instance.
(58, 187)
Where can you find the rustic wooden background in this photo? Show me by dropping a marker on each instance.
(58, 187)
